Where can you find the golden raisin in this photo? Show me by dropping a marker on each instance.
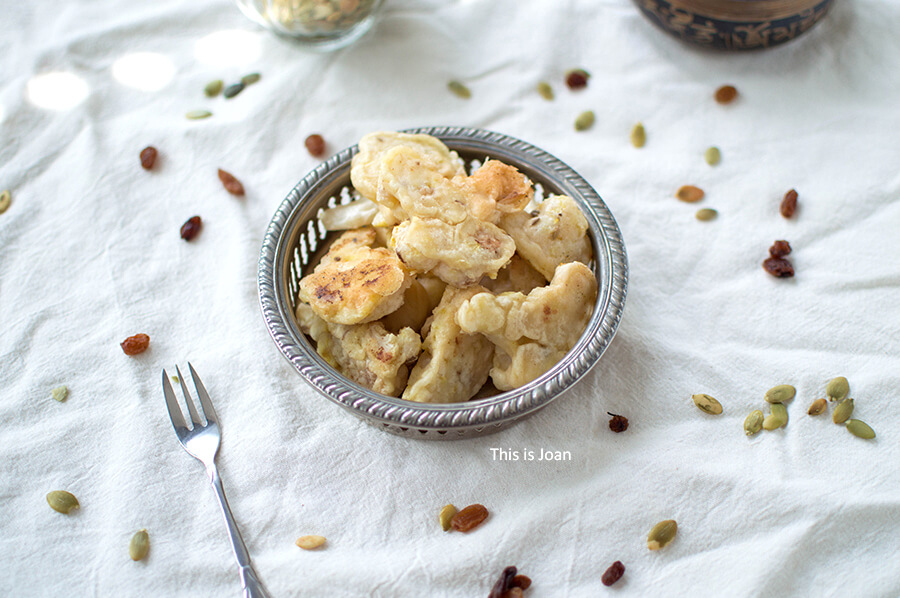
(726, 94)
(469, 518)
(315, 145)
(789, 204)
(148, 157)
(232, 185)
(135, 344)
(689, 193)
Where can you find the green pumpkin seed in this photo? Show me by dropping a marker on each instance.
(446, 515)
(232, 90)
(198, 114)
(860, 429)
(545, 90)
(843, 411)
(62, 501)
(754, 423)
(837, 388)
(5, 200)
(139, 545)
(712, 156)
(459, 90)
(251, 78)
(638, 135)
(60, 393)
(818, 407)
(707, 404)
(584, 121)
(777, 419)
(706, 214)
(780, 394)
(661, 534)
(213, 88)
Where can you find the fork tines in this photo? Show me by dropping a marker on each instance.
(175, 412)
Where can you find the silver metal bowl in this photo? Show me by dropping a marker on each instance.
(295, 234)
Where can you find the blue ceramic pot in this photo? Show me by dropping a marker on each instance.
(735, 24)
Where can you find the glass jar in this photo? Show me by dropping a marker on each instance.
(319, 24)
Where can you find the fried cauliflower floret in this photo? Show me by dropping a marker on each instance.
(453, 364)
(366, 165)
(518, 276)
(365, 353)
(356, 214)
(497, 188)
(457, 254)
(412, 314)
(556, 235)
(355, 283)
(412, 184)
(532, 332)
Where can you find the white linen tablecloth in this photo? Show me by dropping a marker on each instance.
(90, 254)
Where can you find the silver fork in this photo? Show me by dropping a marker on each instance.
(202, 442)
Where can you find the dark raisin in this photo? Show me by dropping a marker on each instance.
(726, 94)
(315, 145)
(789, 204)
(617, 423)
(613, 574)
(148, 157)
(504, 583)
(135, 344)
(232, 185)
(191, 228)
(577, 79)
(778, 267)
(780, 249)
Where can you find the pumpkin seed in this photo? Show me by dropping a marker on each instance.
(777, 419)
(60, 393)
(712, 156)
(584, 121)
(232, 90)
(754, 423)
(251, 78)
(446, 515)
(860, 429)
(661, 534)
(638, 135)
(843, 411)
(198, 114)
(689, 193)
(459, 90)
(139, 545)
(545, 90)
(62, 501)
(707, 404)
(5, 200)
(837, 388)
(175, 379)
(310, 542)
(213, 88)
(780, 394)
(818, 407)
(706, 214)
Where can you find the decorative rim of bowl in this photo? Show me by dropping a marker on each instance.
(609, 264)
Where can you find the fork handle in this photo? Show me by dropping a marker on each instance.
(253, 588)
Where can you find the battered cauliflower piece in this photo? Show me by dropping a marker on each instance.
(457, 254)
(365, 353)
(454, 365)
(518, 275)
(411, 184)
(366, 165)
(497, 188)
(532, 332)
(355, 283)
(556, 234)
(412, 314)
(356, 214)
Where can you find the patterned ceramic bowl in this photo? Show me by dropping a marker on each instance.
(295, 234)
(735, 24)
